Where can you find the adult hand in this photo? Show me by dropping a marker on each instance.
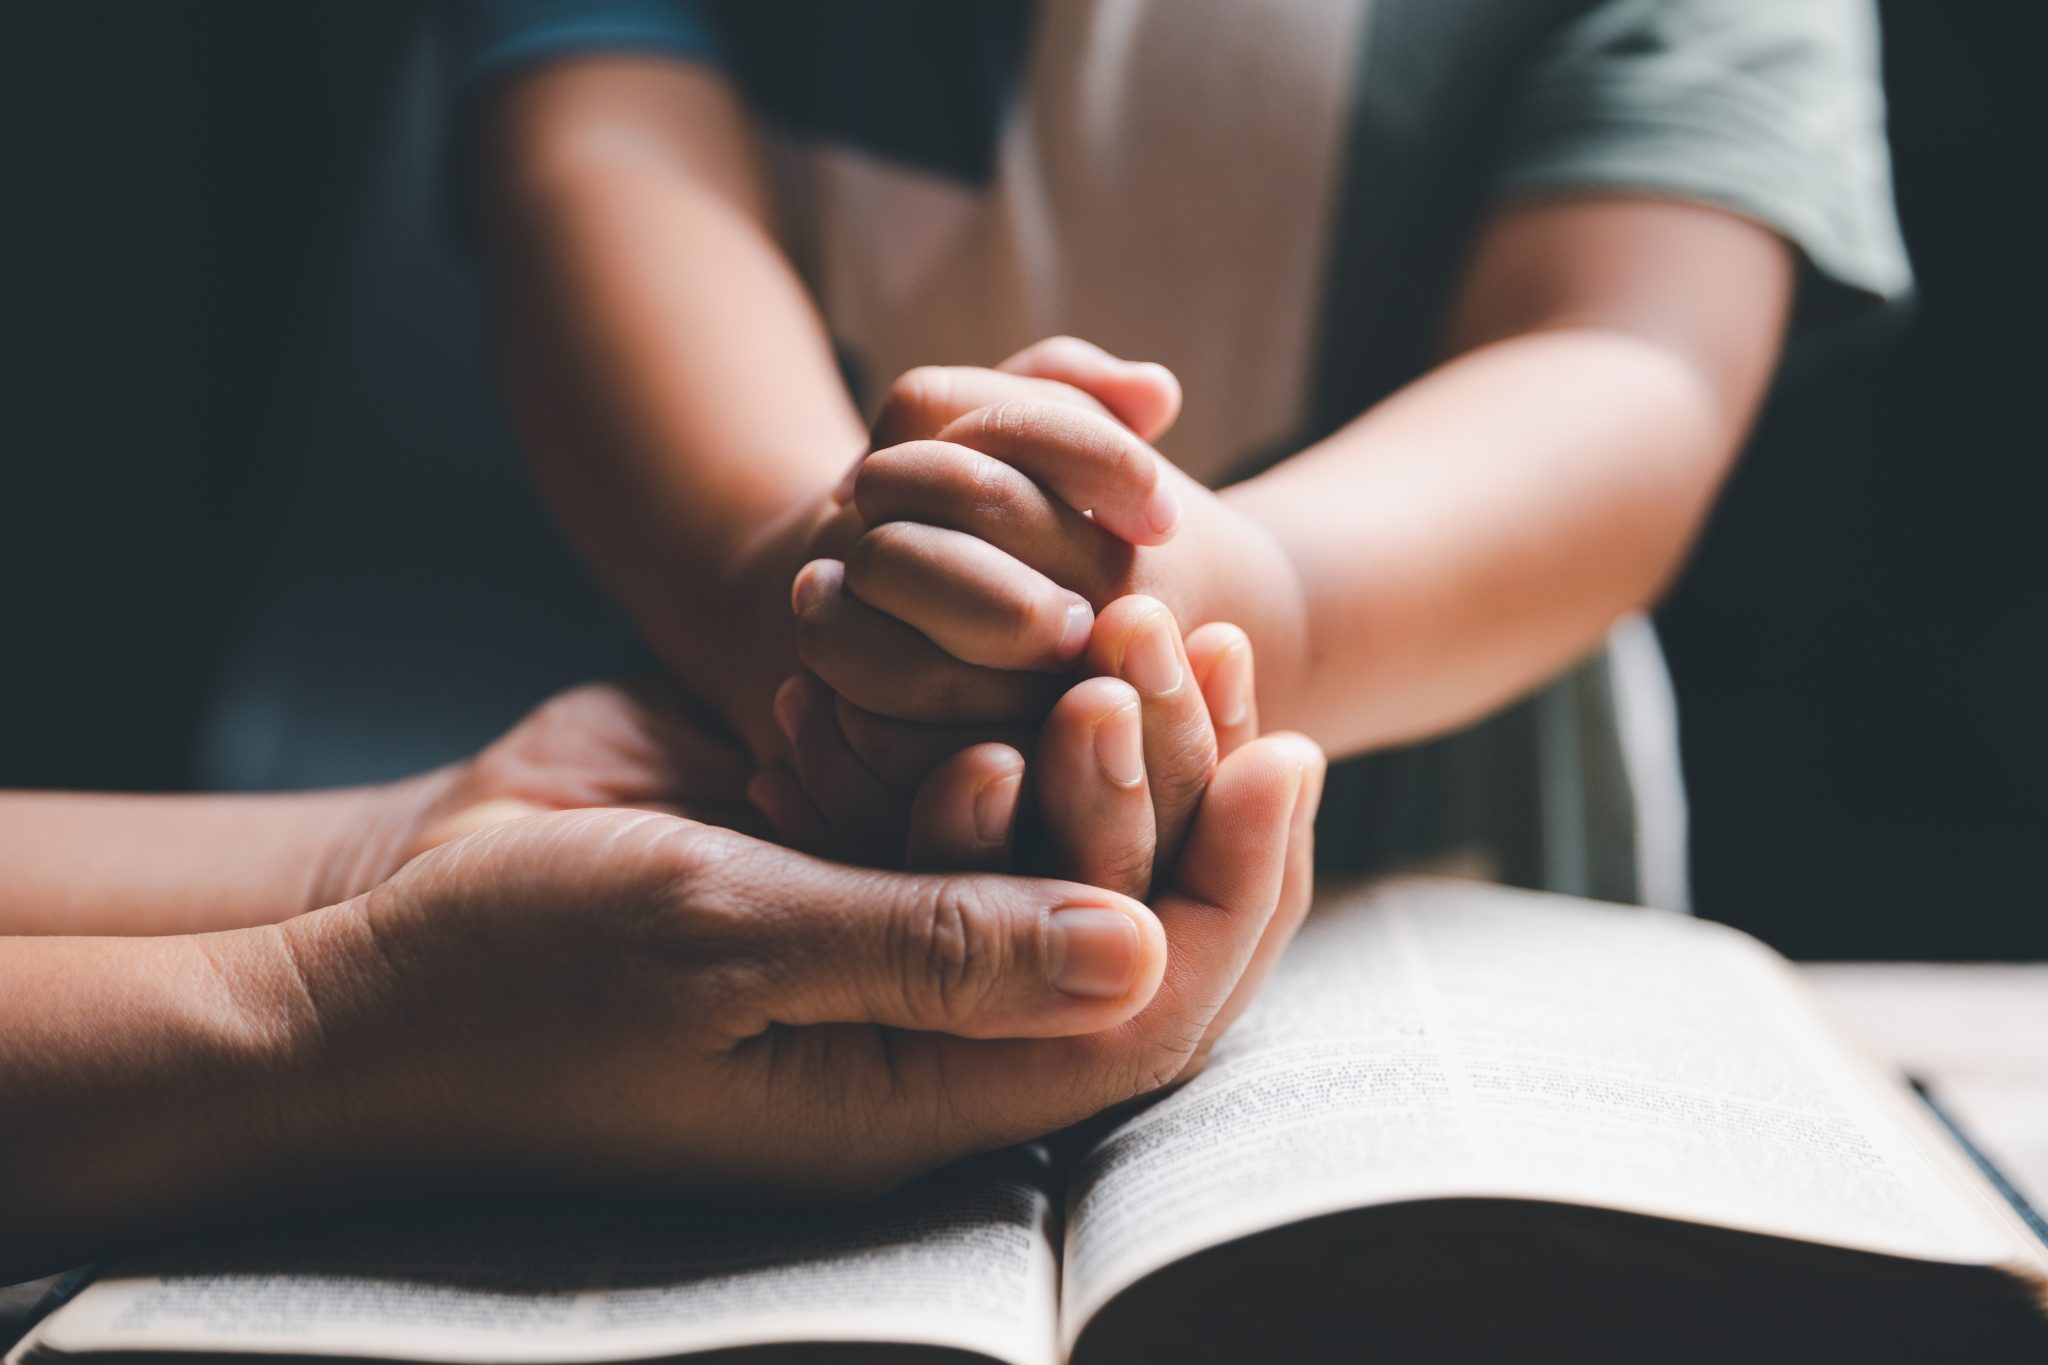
(640, 745)
(612, 996)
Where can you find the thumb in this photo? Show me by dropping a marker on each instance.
(1144, 396)
(976, 955)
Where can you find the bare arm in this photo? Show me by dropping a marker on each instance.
(88, 863)
(1485, 526)
(587, 997)
(674, 384)
(140, 1087)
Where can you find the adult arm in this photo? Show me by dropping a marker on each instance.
(93, 863)
(780, 1023)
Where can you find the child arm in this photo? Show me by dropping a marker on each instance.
(1478, 531)
(1441, 554)
(675, 387)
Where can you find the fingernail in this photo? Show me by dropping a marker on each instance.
(1074, 634)
(1151, 659)
(994, 805)
(788, 707)
(1230, 686)
(1163, 512)
(806, 588)
(1120, 746)
(1091, 952)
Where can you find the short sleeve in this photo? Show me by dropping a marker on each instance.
(484, 41)
(1773, 109)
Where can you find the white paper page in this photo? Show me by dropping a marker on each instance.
(1442, 1039)
(959, 1263)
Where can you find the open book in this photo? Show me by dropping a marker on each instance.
(1461, 1123)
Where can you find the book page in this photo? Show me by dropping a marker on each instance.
(1445, 1039)
(963, 1260)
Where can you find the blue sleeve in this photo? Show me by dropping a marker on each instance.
(486, 40)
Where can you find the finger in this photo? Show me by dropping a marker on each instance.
(961, 489)
(1225, 894)
(967, 597)
(964, 817)
(1296, 889)
(1221, 657)
(1143, 395)
(903, 753)
(925, 399)
(1136, 640)
(794, 817)
(882, 665)
(1090, 462)
(865, 813)
(1090, 772)
(975, 955)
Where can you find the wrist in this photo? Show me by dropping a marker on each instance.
(1278, 619)
(372, 833)
(162, 1089)
(759, 621)
(341, 1040)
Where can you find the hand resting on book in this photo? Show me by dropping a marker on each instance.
(632, 998)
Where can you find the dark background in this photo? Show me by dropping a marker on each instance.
(1853, 646)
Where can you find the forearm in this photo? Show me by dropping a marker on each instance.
(141, 1089)
(1482, 529)
(81, 863)
(676, 390)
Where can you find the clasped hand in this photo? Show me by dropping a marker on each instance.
(974, 568)
(669, 1001)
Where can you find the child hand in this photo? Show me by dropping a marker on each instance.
(1121, 757)
(917, 406)
(972, 582)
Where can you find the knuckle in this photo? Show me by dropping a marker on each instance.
(987, 485)
(1191, 760)
(1126, 865)
(920, 394)
(1008, 420)
(705, 880)
(708, 920)
(1162, 1063)
(1018, 608)
(950, 959)
(697, 855)
(1126, 460)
